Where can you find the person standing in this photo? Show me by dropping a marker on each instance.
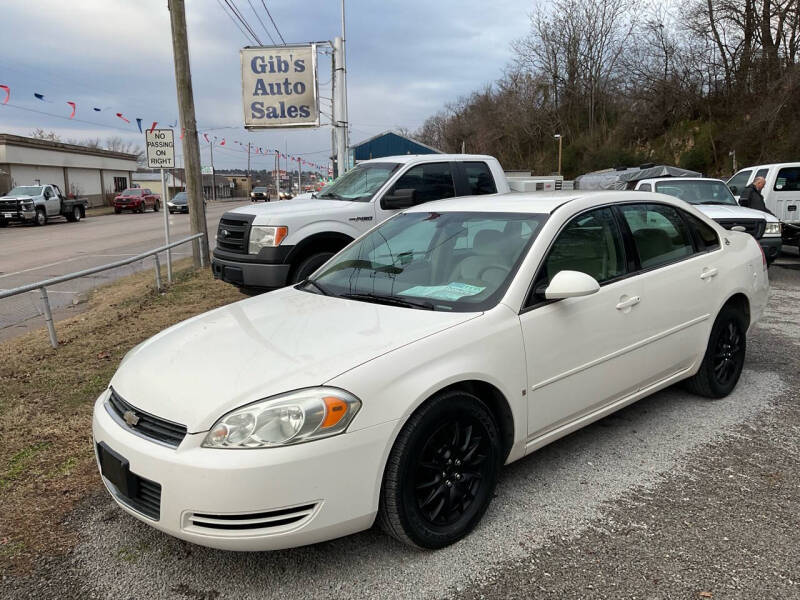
(751, 196)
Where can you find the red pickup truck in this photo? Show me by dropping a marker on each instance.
(137, 200)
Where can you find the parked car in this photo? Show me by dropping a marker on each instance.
(179, 203)
(713, 197)
(137, 200)
(39, 203)
(395, 381)
(259, 193)
(271, 246)
(781, 194)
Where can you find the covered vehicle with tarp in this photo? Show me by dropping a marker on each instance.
(625, 178)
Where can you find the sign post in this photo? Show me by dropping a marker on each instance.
(161, 155)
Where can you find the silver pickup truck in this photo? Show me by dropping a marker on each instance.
(39, 203)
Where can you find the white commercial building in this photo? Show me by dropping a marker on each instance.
(80, 171)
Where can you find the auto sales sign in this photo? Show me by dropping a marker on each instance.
(279, 86)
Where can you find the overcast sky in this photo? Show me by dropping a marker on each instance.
(405, 60)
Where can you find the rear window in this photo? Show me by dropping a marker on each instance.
(709, 240)
(479, 178)
(739, 181)
(788, 180)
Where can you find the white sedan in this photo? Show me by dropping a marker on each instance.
(393, 384)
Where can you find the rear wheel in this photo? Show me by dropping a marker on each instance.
(724, 358)
(441, 472)
(41, 217)
(75, 215)
(308, 265)
(156, 206)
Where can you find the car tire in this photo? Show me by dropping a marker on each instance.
(40, 218)
(156, 206)
(308, 265)
(3, 223)
(75, 215)
(441, 473)
(724, 358)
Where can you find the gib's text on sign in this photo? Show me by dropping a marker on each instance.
(279, 86)
(160, 148)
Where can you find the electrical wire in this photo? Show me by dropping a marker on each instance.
(271, 39)
(235, 10)
(273, 22)
(247, 37)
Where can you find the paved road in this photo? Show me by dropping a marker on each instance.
(674, 497)
(29, 254)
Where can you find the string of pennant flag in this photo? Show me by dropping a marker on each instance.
(210, 139)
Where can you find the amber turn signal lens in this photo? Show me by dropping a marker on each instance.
(335, 410)
(280, 233)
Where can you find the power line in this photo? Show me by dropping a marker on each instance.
(247, 37)
(273, 22)
(271, 39)
(232, 5)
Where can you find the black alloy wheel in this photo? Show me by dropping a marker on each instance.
(442, 471)
(724, 358)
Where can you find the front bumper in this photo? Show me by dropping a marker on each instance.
(18, 215)
(335, 483)
(250, 274)
(771, 247)
(128, 205)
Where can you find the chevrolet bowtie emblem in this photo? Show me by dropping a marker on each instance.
(130, 418)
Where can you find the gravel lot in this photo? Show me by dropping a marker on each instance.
(674, 497)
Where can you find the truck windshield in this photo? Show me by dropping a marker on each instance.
(459, 261)
(136, 192)
(359, 184)
(26, 190)
(697, 192)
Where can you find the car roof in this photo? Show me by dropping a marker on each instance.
(784, 164)
(412, 158)
(660, 179)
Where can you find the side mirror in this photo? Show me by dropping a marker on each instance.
(397, 199)
(571, 284)
(734, 190)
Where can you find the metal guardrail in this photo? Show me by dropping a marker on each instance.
(42, 285)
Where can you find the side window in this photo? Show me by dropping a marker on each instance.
(661, 236)
(738, 182)
(645, 187)
(788, 180)
(762, 173)
(48, 192)
(479, 178)
(591, 243)
(707, 236)
(432, 181)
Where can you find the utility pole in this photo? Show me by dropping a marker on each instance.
(339, 107)
(191, 146)
(213, 174)
(343, 99)
(559, 138)
(732, 154)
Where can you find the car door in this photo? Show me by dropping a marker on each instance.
(679, 272)
(580, 352)
(430, 181)
(51, 201)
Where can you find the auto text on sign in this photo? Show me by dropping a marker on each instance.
(279, 86)
(160, 145)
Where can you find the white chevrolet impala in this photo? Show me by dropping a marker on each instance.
(393, 384)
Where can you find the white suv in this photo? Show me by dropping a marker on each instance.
(713, 198)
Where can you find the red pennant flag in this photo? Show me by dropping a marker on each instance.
(153, 126)
(123, 118)
(8, 93)
(223, 142)
(205, 135)
(74, 107)
(182, 132)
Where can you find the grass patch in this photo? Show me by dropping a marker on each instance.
(46, 397)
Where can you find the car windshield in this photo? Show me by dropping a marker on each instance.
(360, 183)
(26, 190)
(698, 192)
(260, 189)
(453, 261)
(180, 198)
(137, 192)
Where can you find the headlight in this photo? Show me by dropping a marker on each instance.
(170, 204)
(291, 418)
(773, 229)
(265, 237)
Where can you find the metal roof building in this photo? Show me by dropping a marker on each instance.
(389, 143)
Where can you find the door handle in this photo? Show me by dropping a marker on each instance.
(709, 273)
(632, 301)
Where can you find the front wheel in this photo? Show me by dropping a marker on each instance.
(41, 217)
(156, 207)
(724, 358)
(441, 472)
(309, 265)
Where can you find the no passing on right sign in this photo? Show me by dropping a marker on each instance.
(160, 145)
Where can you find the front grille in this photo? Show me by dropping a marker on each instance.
(754, 227)
(8, 205)
(233, 233)
(145, 424)
(250, 521)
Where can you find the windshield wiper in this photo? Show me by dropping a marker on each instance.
(331, 195)
(310, 283)
(717, 202)
(391, 301)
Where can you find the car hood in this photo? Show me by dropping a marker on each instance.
(719, 211)
(23, 198)
(269, 213)
(200, 369)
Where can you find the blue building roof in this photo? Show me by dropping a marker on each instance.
(389, 143)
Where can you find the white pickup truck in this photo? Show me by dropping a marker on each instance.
(273, 244)
(712, 197)
(38, 203)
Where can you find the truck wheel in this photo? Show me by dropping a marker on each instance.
(117, 211)
(41, 217)
(75, 215)
(309, 265)
(3, 222)
(156, 207)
